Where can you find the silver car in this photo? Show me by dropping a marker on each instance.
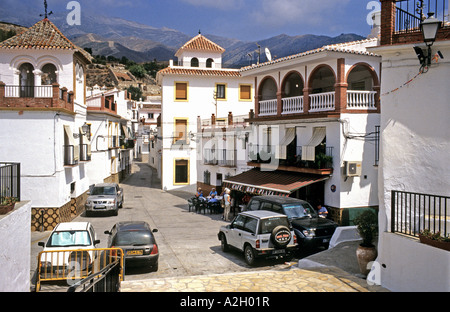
(104, 197)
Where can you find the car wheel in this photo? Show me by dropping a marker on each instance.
(223, 243)
(249, 255)
(116, 211)
(281, 236)
(121, 203)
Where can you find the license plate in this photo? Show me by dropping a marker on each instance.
(100, 207)
(135, 252)
(279, 251)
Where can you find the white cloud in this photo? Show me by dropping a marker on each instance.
(277, 13)
(216, 4)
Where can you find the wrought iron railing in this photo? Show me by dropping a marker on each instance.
(410, 13)
(9, 180)
(413, 212)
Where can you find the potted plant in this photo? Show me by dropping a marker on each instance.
(7, 204)
(435, 239)
(367, 226)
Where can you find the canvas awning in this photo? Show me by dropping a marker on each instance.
(280, 151)
(309, 150)
(276, 182)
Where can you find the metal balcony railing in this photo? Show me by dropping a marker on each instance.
(409, 14)
(9, 180)
(414, 212)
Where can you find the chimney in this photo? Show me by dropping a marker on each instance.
(376, 25)
(230, 118)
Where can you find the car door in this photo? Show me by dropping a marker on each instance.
(249, 231)
(234, 237)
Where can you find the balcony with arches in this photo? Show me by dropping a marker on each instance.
(327, 91)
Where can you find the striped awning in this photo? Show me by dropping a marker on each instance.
(276, 182)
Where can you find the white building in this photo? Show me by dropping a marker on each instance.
(314, 130)
(222, 150)
(414, 180)
(41, 121)
(197, 87)
(109, 116)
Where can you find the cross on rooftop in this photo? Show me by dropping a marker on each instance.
(45, 6)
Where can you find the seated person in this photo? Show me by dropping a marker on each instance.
(199, 193)
(213, 192)
(322, 211)
(213, 199)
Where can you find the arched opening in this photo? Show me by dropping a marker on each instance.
(194, 62)
(361, 80)
(292, 94)
(26, 80)
(268, 90)
(292, 85)
(323, 80)
(322, 96)
(209, 63)
(268, 97)
(48, 76)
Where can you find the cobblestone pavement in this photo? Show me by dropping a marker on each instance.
(320, 279)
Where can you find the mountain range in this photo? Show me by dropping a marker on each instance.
(143, 43)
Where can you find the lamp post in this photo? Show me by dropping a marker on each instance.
(429, 28)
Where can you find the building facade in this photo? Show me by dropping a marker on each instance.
(414, 183)
(197, 86)
(47, 126)
(314, 128)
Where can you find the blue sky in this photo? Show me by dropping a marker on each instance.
(240, 19)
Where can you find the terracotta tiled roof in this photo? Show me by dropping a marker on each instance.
(354, 47)
(199, 72)
(42, 35)
(200, 43)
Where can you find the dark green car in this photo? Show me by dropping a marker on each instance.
(312, 231)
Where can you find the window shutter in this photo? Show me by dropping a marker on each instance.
(181, 91)
(245, 92)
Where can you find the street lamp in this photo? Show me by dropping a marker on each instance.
(429, 28)
(84, 130)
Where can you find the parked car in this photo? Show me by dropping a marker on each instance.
(104, 197)
(137, 242)
(69, 242)
(259, 234)
(311, 230)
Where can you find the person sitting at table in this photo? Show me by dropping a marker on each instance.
(213, 199)
(199, 194)
(213, 192)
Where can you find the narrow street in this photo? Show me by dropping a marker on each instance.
(187, 241)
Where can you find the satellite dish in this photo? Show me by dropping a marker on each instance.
(268, 55)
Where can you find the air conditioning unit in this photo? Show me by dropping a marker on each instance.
(352, 168)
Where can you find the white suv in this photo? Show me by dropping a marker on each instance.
(259, 234)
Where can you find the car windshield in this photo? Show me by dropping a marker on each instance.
(69, 238)
(267, 225)
(133, 238)
(295, 211)
(104, 190)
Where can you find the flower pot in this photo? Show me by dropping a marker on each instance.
(435, 243)
(365, 255)
(4, 209)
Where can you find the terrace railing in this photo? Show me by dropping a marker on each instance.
(414, 212)
(9, 180)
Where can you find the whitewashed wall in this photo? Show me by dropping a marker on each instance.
(15, 252)
(414, 157)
